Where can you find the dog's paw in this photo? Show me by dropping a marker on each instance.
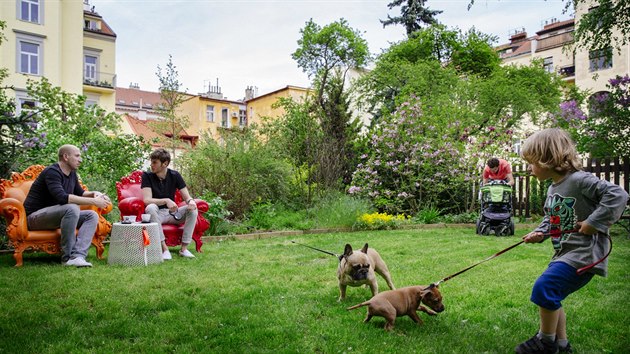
(428, 311)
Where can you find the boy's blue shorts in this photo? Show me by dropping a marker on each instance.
(556, 283)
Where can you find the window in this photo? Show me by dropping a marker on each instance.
(89, 71)
(600, 59)
(548, 64)
(92, 25)
(209, 113)
(242, 117)
(29, 57)
(29, 10)
(225, 122)
(91, 100)
(24, 102)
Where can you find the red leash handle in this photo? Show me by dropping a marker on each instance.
(584, 269)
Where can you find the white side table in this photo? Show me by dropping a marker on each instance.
(126, 245)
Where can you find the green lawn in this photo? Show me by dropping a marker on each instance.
(273, 296)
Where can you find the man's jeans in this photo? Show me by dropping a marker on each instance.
(162, 216)
(68, 217)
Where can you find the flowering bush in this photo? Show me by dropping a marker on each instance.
(379, 221)
(414, 160)
(602, 129)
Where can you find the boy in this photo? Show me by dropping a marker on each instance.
(579, 210)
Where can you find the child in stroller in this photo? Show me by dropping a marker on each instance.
(496, 209)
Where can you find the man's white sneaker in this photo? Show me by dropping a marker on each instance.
(186, 253)
(166, 255)
(78, 262)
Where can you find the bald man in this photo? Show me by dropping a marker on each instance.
(53, 202)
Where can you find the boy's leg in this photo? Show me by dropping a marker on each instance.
(554, 285)
(561, 329)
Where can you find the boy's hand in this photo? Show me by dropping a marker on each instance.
(586, 229)
(533, 237)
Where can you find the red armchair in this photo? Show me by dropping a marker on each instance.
(130, 202)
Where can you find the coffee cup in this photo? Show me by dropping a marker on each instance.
(146, 217)
(129, 219)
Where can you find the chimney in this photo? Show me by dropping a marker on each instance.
(518, 37)
(249, 93)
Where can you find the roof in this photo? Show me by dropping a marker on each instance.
(286, 88)
(143, 128)
(556, 26)
(135, 97)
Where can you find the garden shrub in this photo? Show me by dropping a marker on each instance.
(241, 170)
(414, 161)
(217, 212)
(428, 215)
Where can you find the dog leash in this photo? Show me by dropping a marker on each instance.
(317, 249)
(579, 271)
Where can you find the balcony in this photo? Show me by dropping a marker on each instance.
(554, 41)
(100, 80)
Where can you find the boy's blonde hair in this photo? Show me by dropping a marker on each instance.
(552, 148)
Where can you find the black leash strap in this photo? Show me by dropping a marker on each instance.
(317, 249)
(580, 271)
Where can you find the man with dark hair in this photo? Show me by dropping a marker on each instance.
(53, 202)
(498, 169)
(158, 190)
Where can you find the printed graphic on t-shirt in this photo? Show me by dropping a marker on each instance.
(561, 212)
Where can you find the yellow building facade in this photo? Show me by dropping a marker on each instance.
(263, 105)
(65, 41)
(209, 115)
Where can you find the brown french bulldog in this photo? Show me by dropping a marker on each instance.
(404, 301)
(357, 268)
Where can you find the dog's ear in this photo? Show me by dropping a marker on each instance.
(347, 251)
(365, 248)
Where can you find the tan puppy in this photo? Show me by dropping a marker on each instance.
(357, 268)
(404, 301)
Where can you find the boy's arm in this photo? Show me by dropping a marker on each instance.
(612, 202)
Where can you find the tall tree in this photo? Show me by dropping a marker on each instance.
(326, 54)
(64, 118)
(412, 15)
(323, 50)
(172, 124)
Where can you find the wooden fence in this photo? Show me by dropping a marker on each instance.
(529, 195)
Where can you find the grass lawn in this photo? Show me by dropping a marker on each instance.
(273, 296)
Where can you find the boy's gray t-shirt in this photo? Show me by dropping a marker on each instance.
(581, 196)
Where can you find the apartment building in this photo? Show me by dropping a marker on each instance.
(263, 105)
(553, 45)
(210, 113)
(67, 42)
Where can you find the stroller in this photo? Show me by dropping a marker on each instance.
(496, 209)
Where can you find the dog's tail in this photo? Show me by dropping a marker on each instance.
(365, 303)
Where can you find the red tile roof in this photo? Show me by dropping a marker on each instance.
(144, 129)
(133, 97)
(556, 25)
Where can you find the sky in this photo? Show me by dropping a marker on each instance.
(241, 43)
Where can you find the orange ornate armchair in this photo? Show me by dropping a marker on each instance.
(130, 202)
(13, 192)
